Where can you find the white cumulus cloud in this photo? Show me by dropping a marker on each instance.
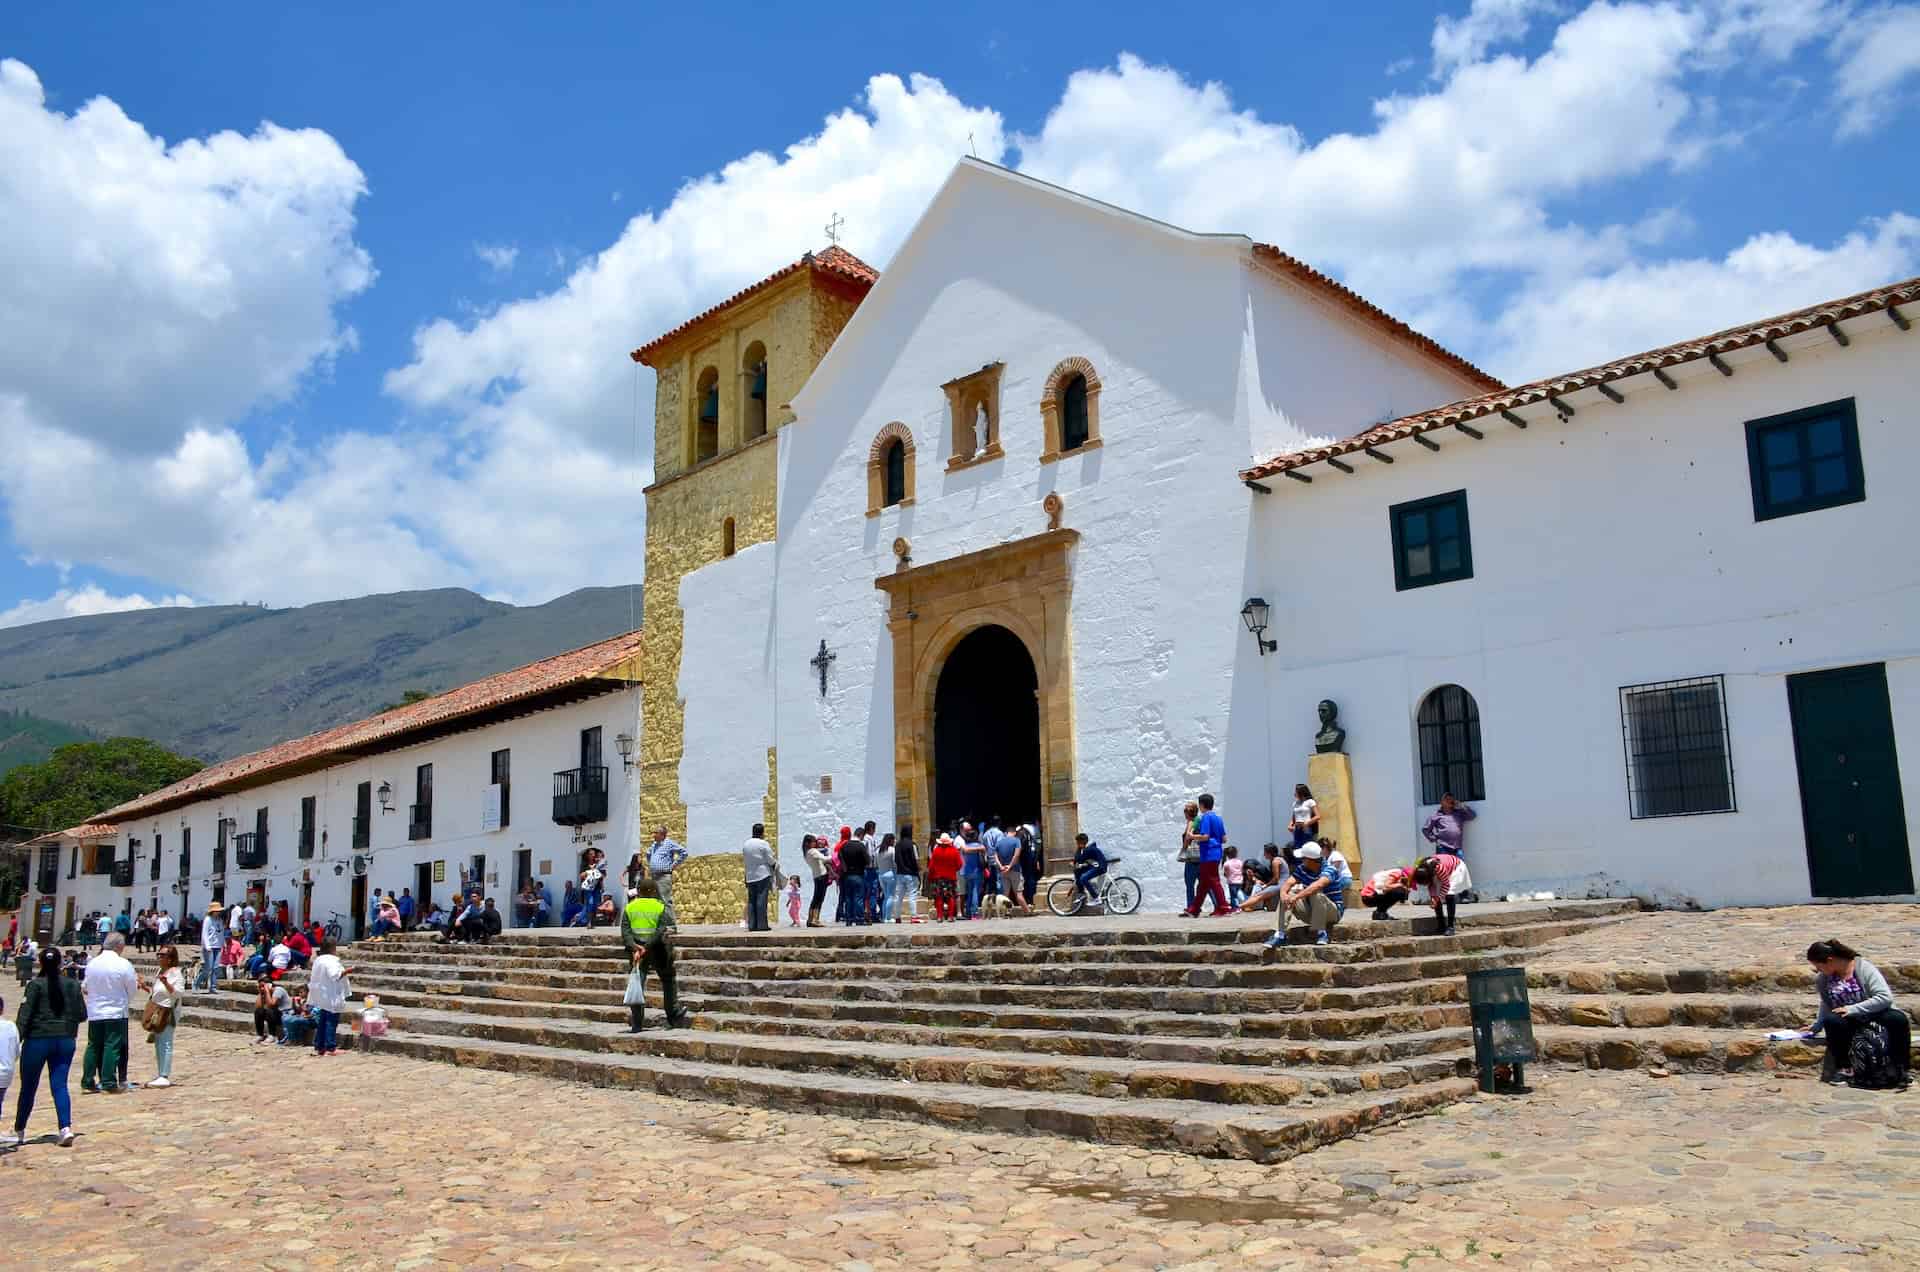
(77, 602)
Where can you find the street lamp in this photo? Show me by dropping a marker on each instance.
(1254, 615)
(386, 797)
(624, 744)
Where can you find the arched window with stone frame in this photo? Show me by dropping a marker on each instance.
(1070, 409)
(890, 469)
(1448, 724)
(753, 392)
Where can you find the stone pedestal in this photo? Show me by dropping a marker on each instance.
(1330, 776)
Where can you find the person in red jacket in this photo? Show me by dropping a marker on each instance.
(301, 948)
(943, 874)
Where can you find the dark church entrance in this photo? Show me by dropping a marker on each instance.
(986, 732)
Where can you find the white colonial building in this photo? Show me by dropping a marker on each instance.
(1658, 620)
(408, 799)
(1057, 449)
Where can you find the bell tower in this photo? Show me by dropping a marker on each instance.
(722, 382)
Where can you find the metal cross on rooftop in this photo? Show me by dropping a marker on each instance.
(833, 228)
(821, 661)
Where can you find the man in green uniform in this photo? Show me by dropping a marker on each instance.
(643, 931)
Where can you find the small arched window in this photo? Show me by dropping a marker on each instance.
(1070, 409)
(1449, 725)
(726, 537)
(890, 469)
(1073, 414)
(896, 475)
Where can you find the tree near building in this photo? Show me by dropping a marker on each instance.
(78, 781)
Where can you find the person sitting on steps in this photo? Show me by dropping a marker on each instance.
(643, 931)
(1315, 894)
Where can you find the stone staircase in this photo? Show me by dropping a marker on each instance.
(1686, 1020)
(1176, 1034)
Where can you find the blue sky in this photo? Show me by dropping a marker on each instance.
(322, 303)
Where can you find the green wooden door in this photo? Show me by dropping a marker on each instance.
(1856, 821)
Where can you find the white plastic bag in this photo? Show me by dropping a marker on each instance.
(636, 995)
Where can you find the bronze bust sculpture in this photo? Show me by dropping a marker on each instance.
(1331, 736)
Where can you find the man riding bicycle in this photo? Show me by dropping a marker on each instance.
(1089, 863)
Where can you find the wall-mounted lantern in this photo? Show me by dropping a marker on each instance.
(1254, 615)
(386, 797)
(624, 743)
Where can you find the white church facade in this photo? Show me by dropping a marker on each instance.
(1026, 494)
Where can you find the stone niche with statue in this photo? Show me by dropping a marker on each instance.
(1330, 777)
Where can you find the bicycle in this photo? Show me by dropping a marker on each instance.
(1116, 894)
(332, 928)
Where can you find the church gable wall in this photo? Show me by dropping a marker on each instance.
(1002, 272)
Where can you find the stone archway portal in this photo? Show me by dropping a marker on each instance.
(959, 615)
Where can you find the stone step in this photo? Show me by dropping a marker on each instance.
(1691, 1050)
(1222, 1050)
(1262, 1132)
(1016, 989)
(1245, 948)
(1294, 974)
(945, 996)
(1348, 1025)
(1902, 977)
(1654, 1011)
(1051, 934)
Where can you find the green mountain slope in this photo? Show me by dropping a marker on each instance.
(26, 738)
(223, 680)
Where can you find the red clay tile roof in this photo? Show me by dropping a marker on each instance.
(835, 262)
(1880, 299)
(577, 666)
(1370, 313)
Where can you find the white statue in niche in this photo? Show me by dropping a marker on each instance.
(981, 435)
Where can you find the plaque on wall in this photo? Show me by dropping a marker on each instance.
(439, 872)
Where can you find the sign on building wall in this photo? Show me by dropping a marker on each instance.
(490, 808)
(439, 872)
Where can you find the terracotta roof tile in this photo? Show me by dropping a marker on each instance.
(573, 667)
(1370, 313)
(835, 262)
(1875, 301)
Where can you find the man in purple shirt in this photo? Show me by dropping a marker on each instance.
(1448, 826)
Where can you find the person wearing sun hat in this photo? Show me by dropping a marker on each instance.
(1315, 895)
(213, 939)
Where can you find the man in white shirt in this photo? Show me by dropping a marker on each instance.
(757, 856)
(163, 927)
(110, 986)
(327, 990)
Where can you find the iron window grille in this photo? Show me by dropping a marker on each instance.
(1679, 759)
(1805, 460)
(1431, 543)
(1449, 725)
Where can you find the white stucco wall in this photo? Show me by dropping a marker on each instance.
(1006, 270)
(728, 692)
(542, 743)
(1616, 549)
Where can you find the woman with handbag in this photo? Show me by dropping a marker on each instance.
(1189, 857)
(163, 1013)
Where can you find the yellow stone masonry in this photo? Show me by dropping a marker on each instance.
(794, 322)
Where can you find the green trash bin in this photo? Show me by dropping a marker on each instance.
(1502, 1022)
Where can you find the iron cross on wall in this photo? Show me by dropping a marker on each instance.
(820, 662)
